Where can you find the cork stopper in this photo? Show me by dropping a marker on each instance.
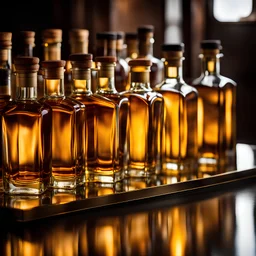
(78, 35)
(140, 62)
(173, 51)
(26, 64)
(81, 60)
(5, 40)
(53, 69)
(28, 37)
(52, 35)
(106, 59)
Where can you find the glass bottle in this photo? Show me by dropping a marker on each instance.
(67, 128)
(216, 112)
(145, 48)
(179, 137)
(99, 114)
(106, 45)
(131, 41)
(25, 47)
(51, 46)
(26, 135)
(144, 122)
(114, 140)
(78, 41)
(5, 84)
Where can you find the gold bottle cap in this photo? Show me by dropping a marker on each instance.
(28, 37)
(140, 62)
(106, 59)
(26, 64)
(6, 40)
(52, 35)
(81, 60)
(78, 35)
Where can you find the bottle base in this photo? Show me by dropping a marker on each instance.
(131, 172)
(67, 183)
(103, 176)
(179, 168)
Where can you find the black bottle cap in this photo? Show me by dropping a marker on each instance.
(145, 29)
(131, 35)
(106, 35)
(173, 47)
(119, 35)
(211, 44)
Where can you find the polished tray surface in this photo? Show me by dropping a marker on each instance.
(58, 202)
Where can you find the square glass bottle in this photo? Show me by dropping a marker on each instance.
(26, 125)
(68, 132)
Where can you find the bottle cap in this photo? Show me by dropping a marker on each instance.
(131, 36)
(140, 62)
(119, 35)
(78, 35)
(6, 40)
(145, 29)
(81, 60)
(52, 35)
(211, 44)
(173, 47)
(26, 64)
(108, 35)
(28, 37)
(107, 59)
(53, 63)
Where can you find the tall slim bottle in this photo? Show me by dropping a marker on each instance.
(99, 122)
(51, 50)
(114, 142)
(216, 112)
(144, 122)
(26, 135)
(67, 128)
(145, 48)
(5, 85)
(78, 41)
(180, 147)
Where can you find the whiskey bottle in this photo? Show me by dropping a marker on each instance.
(106, 45)
(144, 122)
(113, 144)
(78, 41)
(67, 128)
(216, 112)
(145, 48)
(26, 134)
(179, 136)
(131, 41)
(51, 46)
(25, 47)
(5, 84)
(99, 117)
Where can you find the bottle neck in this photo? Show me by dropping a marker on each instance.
(210, 65)
(5, 79)
(106, 79)
(173, 71)
(52, 51)
(132, 49)
(145, 47)
(26, 86)
(81, 83)
(140, 80)
(27, 50)
(79, 47)
(106, 48)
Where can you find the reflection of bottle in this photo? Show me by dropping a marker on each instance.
(5, 82)
(99, 117)
(216, 112)
(78, 41)
(113, 143)
(145, 121)
(67, 128)
(179, 154)
(27, 125)
(145, 48)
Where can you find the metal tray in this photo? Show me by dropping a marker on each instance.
(59, 202)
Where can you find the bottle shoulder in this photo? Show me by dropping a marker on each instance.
(148, 96)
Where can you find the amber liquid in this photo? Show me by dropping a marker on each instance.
(121, 75)
(67, 142)
(26, 147)
(216, 125)
(144, 133)
(179, 154)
